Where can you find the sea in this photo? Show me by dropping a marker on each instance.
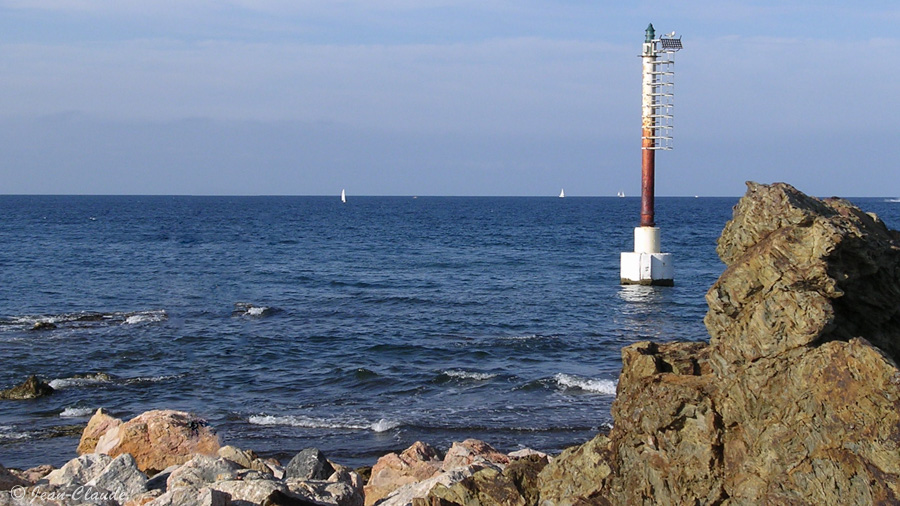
(357, 328)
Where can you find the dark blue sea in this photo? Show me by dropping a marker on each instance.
(357, 328)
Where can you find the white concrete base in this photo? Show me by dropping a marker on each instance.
(646, 239)
(647, 269)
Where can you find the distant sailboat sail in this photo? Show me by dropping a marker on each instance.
(620, 194)
(343, 196)
(562, 193)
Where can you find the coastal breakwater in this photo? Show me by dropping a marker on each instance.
(794, 399)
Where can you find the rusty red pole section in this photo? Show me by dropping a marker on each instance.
(648, 178)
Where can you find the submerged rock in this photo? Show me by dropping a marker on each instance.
(32, 388)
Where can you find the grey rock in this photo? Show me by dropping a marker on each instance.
(80, 470)
(249, 492)
(200, 471)
(122, 477)
(309, 464)
(190, 496)
(8, 480)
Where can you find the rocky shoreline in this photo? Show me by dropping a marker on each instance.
(795, 399)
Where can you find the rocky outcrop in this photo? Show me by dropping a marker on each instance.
(159, 439)
(32, 388)
(795, 398)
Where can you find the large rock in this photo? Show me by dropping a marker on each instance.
(32, 388)
(96, 427)
(795, 399)
(486, 487)
(417, 463)
(159, 439)
(79, 470)
(121, 477)
(309, 464)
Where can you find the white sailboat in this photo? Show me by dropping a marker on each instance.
(343, 196)
(562, 193)
(620, 194)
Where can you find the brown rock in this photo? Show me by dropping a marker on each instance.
(34, 474)
(794, 401)
(96, 427)
(577, 472)
(487, 487)
(159, 439)
(418, 462)
(32, 388)
(470, 451)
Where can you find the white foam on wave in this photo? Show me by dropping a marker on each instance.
(256, 310)
(145, 317)
(7, 434)
(152, 379)
(306, 422)
(76, 382)
(469, 375)
(74, 412)
(599, 386)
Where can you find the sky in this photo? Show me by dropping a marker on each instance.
(442, 97)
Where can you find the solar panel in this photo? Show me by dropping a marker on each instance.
(671, 43)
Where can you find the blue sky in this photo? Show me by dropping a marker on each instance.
(441, 97)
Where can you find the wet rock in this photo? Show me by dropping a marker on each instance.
(96, 427)
(43, 326)
(159, 439)
(32, 388)
(392, 471)
(309, 464)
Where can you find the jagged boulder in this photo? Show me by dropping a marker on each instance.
(795, 398)
(32, 388)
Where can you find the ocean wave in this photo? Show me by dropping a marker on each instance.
(252, 310)
(84, 319)
(8, 433)
(145, 317)
(306, 422)
(468, 375)
(76, 412)
(152, 379)
(80, 380)
(570, 381)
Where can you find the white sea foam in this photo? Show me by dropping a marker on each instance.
(256, 310)
(145, 317)
(7, 433)
(152, 379)
(74, 412)
(384, 425)
(469, 375)
(76, 382)
(306, 422)
(600, 386)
